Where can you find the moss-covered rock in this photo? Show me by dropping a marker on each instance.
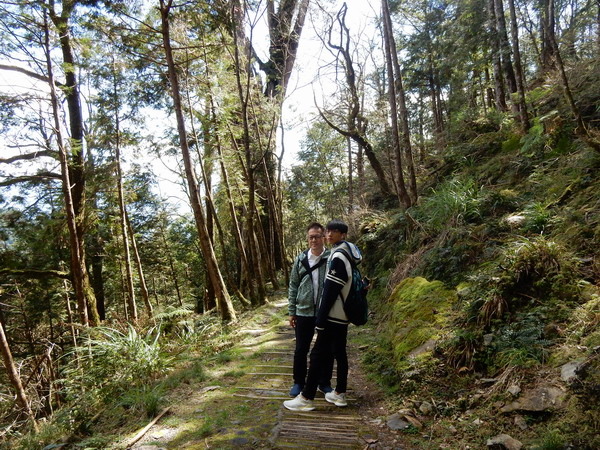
(420, 310)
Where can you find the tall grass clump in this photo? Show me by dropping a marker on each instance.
(110, 362)
(453, 203)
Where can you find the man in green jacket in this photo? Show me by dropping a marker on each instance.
(306, 286)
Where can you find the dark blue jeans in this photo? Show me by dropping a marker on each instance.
(305, 330)
(331, 342)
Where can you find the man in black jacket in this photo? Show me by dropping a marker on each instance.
(331, 323)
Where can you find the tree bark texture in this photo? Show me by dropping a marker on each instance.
(14, 378)
(224, 304)
(76, 161)
(500, 95)
(396, 94)
(520, 76)
(505, 50)
(547, 35)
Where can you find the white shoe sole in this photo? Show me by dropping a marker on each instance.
(337, 403)
(299, 408)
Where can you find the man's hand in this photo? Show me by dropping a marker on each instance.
(293, 321)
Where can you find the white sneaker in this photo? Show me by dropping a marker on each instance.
(336, 399)
(300, 403)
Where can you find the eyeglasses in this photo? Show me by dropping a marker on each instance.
(315, 237)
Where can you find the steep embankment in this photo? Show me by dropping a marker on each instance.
(490, 305)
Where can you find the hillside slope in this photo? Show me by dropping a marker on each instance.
(487, 297)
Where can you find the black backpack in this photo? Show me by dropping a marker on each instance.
(356, 305)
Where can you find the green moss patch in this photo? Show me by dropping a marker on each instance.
(420, 309)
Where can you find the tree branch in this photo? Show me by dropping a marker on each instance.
(29, 73)
(28, 156)
(37, 274)
(27, 178)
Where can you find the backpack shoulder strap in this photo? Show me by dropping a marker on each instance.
(307, 266)
(304, 261)
(347, 255)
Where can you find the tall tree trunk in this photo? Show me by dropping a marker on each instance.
(284, 34)
(505, 50)
(350, 176)
(598, 26)
(132, 307)
(500, 96)
(520, 77)
(97, 276)
(436, 112)
(76, 164)
(140, 268)
(78, 267)
(254, 257)
(396, 94)
(211, 123)
(14, 378)
(547, 33)
(285, 28)
(234, 219)
(223, 300)
(581, 129)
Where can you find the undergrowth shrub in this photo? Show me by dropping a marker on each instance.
(520, 343)
(110, 362)
(495, 203)
(536, 271)
(537, 218)
(542, 268)
(143, 399)
(449, 259)
(461, 347)
(453, 203)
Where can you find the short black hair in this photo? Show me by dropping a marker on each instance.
(315, 225)
(338, 225)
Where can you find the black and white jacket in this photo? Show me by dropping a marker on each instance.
(338, 282)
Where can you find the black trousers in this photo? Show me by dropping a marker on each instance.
(331, 342)
(305, 330)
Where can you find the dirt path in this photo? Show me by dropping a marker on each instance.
(240, 404)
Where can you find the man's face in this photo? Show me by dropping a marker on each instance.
(334, 236)
(315, 240)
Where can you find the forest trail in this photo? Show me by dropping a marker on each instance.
(245, 408)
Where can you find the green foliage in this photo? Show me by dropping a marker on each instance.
(143, 399)
(533, 143)
(520, 343)
(460, 348)
(376, 228)
(111, 362)
(453, 203)
(448, 261)
(193, 373)
(498, 202)
(538, 217)
(550, 440)
(318, 187)
(541, 267)
(381, 366)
